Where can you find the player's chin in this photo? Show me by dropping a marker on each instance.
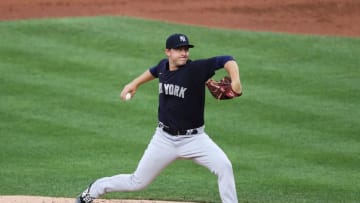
(182, 62)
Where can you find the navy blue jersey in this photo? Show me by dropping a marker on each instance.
(182, 92)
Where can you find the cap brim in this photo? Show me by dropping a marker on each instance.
(185, 45)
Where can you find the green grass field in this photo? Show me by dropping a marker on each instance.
(292, 137)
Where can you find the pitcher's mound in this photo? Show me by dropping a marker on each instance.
(39, 199)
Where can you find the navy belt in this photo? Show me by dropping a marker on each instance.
(176, 132)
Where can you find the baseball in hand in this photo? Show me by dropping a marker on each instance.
(128, 96)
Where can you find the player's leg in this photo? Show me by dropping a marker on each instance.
(156, 157)
(204, 151)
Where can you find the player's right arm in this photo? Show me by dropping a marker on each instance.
(133, 85)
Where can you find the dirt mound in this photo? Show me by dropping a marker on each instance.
(330, 17)
(39, 199)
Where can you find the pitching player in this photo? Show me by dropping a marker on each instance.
(180, 129)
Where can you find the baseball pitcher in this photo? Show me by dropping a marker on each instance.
(180, 129)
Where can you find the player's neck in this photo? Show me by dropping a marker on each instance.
(172, 66)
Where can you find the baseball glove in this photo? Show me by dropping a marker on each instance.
(221, 89)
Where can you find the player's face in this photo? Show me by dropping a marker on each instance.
(178, 56)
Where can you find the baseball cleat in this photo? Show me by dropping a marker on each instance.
(85, 197)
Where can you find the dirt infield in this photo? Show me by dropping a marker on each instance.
(321, 17)
(38, 199)
(324, 17)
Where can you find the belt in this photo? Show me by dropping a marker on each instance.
(176, 132)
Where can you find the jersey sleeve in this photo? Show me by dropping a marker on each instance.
(155, 69)
(213, 64)
(221, 60)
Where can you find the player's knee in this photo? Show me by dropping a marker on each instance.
(225, 167)
(137, 187)
(228, 166)
(138, 183)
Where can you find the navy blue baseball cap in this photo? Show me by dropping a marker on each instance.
(178, 40)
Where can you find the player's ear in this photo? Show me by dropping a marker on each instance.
(167, 52)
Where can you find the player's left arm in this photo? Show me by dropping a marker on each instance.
(233, 70)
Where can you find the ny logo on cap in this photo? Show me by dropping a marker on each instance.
(182, 38)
